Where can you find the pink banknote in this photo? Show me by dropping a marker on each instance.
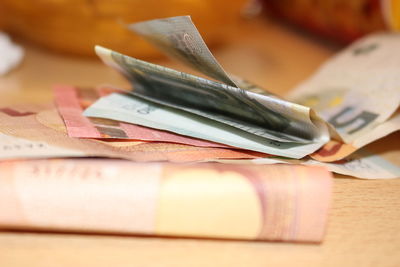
(37, 131)
(71, 101)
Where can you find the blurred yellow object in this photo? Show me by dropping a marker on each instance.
(75, 26)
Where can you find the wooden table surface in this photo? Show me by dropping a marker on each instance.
(364, 222)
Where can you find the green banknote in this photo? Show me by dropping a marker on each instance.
(136, 110)
(228, 100)
(262, 115)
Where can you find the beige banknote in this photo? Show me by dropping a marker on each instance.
(275, 202)
(357, 92)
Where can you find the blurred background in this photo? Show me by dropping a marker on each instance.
(75, 26)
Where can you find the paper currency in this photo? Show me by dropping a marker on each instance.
(71, 101)
(258, 114)
(287, 129)
(357, 91)
(362, 164)
(273, 202)
(338, 91)
(127, 108)
(31, 131)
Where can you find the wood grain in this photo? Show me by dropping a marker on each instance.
(364, 226)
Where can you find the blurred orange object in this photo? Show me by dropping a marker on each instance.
(75, 26)
(342, 20)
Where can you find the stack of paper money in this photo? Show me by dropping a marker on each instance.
(176, 117)
(350, 102)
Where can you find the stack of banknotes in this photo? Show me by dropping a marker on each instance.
(212, 157)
